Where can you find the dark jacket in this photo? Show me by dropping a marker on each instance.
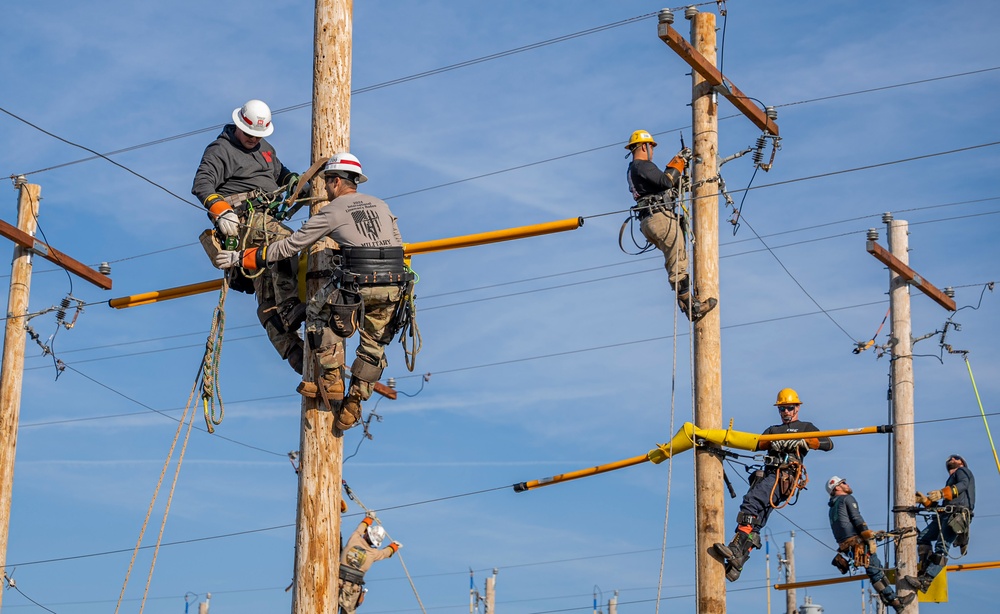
(845, 518)
(227, 168)
(645, 178)
(800, 426)
(965, 483)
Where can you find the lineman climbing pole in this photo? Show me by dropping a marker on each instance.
(901, 276)
(707, 82)
(321, 445)
(12, 369)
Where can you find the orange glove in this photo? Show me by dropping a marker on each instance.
(367, 520)
(813, 443)
(949, 493)
(395, 547)
(923, 500)
(677, 163)
(868, 534)
(343, 506)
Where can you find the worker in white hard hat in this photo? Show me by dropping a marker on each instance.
(359, 554)
(772, 485)
(238, 177)
(372, 280)
(856, 543)
(659, 220)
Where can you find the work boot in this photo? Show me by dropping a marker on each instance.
(334, 390)
(737, 552)
(292, 313)
(694, 309)
(901, 602)
(350, 412)
(295, 358)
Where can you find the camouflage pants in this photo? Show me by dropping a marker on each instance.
(663, 229)
(380, 305)
(349, 595)
(276, 284)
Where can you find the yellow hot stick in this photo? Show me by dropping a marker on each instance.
(424, 247)
(828, 581)
(685, 439)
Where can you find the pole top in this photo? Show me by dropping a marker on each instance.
(690, 12)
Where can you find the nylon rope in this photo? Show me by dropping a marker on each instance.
(413, 586)
(210, 363)
(670, 467)
(981, 411)
(156, 492)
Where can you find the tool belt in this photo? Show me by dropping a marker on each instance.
(653, 203)
(857, 548)
(371, 266)
(352, 575)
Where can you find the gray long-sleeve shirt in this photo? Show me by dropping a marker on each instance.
(227, 168)
(355, 219)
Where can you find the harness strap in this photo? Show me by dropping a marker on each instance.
(352, 575)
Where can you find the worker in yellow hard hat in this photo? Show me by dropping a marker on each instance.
(774, 483)
(659, 220)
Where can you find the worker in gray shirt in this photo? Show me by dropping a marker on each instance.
(371, 268)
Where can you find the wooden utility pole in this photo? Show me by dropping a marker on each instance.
(13, 359)
(901, 277)
(711, 515)
(317, 523)
(12, 367)
(904, 484)
(490, 594)
(790, 597)
(707, 82)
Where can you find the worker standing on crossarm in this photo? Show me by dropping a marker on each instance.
(370, 284)
(238, 172)
(856, 542)
(781, 477)
(950, 525)
(361, 551)
(660, 222)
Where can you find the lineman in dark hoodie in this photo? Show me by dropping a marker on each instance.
(765, 491)
(236, 168)
(951, 525)
(857, 542)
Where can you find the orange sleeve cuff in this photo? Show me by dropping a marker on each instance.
(394, 547)
(677, 163)
(367, 521)
(218, 207)
(249, 259)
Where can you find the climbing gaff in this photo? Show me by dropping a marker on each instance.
(686, 438)
(493, 236)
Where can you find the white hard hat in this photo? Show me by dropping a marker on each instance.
(347, 163)
(376, 534)
(833, 483)
(254, 118)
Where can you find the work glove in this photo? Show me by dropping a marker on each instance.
(923, 499)
(222, 215)
(247, 258)
(948, 493)
(869, 536)
(293, 181)
(395, 546)
(678, 163)
(370, 514)
(935, 495)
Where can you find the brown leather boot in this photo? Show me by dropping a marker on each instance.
(350, 412)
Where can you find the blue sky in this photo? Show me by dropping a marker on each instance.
(547, 355)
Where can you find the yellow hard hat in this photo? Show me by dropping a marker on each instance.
(787, 396)
(640, 136)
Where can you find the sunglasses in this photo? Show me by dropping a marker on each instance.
(787, 407)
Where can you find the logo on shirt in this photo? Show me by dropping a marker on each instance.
(367, 223)
(267, 156)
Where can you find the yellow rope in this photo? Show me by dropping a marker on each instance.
(400, 556)
(980, 401)
(210, 363)
(156, 492)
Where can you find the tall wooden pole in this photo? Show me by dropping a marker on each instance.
(710, 522)
(317, 523)
(490, 594)
(13, 358)
(902, 405)
(790, 596)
